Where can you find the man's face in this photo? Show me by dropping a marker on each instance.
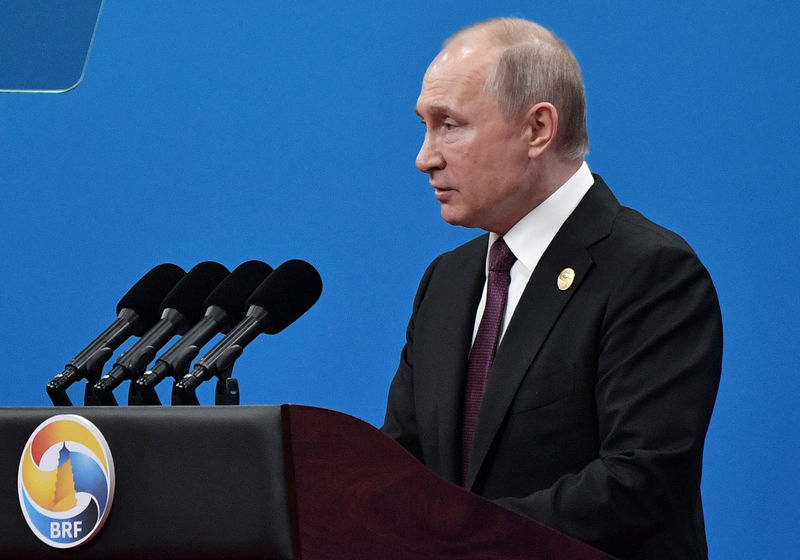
(477, 161)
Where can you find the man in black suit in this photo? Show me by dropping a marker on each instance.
(608, 349)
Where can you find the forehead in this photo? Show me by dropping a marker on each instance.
(456, 75)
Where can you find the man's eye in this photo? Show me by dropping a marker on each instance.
(448, 125)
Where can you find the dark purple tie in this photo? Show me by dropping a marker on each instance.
(480, 358)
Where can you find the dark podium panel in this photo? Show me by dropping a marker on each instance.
(271, 483)
(191, 482)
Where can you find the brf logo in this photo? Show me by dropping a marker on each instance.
(66, 481)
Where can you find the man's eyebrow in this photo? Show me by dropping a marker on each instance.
(435, 110)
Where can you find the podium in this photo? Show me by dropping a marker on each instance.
(269, 482)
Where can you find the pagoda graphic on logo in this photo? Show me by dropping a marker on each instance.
(66, 481)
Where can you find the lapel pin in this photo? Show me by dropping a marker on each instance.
(565, 279)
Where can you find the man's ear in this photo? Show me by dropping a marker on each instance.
(542, 125)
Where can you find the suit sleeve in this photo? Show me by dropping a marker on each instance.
(659, 360)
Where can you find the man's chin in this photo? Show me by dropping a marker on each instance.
(455, 218)
(451, 216)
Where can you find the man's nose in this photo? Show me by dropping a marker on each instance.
(429, 157)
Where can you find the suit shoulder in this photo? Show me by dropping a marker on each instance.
(641, 234)
(641, 251)
(626, 228)
(641, 256)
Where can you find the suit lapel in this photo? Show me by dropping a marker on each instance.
(539, 308)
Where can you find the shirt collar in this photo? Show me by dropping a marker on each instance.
(528, 238)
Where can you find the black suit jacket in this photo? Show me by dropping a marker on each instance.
(599, 397)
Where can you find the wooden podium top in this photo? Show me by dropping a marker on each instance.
(358, 494)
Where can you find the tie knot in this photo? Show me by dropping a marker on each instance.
(501, 259)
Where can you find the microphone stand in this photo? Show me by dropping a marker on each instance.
(226, 392)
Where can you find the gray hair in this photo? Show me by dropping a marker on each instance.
(535, 66)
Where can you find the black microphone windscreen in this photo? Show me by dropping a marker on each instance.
(287, 293)
(146, 295)
(232, 293)
(189, 293)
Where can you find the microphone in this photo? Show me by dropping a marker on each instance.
(137, 311)
(280, 300)
(225, 307)
(181, 308)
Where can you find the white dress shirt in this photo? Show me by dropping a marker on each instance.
(528, 239)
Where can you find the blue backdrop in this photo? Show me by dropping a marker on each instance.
(277, 130)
